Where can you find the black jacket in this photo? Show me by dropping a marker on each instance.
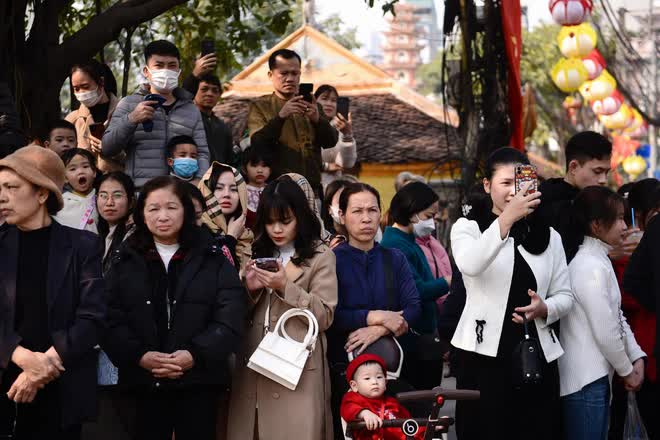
(642, 276)
(556, 211)
(207, 316)
(76, 310)
(218, 134)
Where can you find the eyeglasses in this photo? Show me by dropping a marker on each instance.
(116, 196)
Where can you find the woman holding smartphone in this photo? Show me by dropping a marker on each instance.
(344, 154)
(512, 266)
(302, 277)
(94, 86)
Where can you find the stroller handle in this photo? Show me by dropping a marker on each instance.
(427, 395)
(443, 422)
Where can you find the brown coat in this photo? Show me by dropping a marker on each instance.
(82, 119)
(284, 414)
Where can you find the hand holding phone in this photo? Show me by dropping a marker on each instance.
(97, 129)
(305, 90)
(208, 47)
(343, 104)
(526, 173)
(152, 101)
(269, 264)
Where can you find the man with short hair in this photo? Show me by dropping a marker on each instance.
(587, 164)
(142, 127)
(207, 90)
(295, 129)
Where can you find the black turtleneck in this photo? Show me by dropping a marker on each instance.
(31, 286)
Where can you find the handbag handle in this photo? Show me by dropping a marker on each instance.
(312, 329)
(524, 317)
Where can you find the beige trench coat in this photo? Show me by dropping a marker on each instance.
(303, 414)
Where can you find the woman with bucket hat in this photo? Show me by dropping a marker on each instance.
(52, 304)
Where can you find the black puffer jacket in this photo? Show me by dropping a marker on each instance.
(208, 313)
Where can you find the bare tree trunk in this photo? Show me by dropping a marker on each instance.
(126, 54)
(97, 4)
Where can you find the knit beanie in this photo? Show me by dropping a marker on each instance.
(362, 359)
(39, 166)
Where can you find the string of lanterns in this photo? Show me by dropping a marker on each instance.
(583, 69)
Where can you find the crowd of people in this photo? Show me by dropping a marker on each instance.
(146, 258)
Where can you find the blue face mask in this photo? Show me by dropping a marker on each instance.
(185, 167)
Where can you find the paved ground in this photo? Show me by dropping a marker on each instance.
(450, 407)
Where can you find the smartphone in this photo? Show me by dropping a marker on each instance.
(208, 46)
(343, 104)
(148, 126)
(155, 97)
(305, 90)
(524, 174)
(269, 264)
(97, 129)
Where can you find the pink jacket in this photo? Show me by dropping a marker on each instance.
(436, 255)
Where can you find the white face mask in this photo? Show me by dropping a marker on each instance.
(423, 228)
(334, 213)
(89, 98)
(164, 80)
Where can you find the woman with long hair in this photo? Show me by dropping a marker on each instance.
(286, 229)
(595, 332)
(514, 268)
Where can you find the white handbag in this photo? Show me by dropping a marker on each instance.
(278, 356)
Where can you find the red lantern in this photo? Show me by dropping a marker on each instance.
(594, 63)
(570, 12)
(609, 105)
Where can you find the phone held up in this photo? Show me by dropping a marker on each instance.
(269, 264)
(208, 46)
(148, 126)
(343, 104)
(305, 90)
(524, 174)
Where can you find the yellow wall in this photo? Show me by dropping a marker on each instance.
(382, 176)
(384, 185)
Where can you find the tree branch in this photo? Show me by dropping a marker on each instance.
(557, 120)
(106, 27)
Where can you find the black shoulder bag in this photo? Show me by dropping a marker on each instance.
(527, 360)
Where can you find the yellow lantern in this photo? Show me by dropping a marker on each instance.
(619, 120)
(634, 166)
(637, 123)
(569, 74)
(600, 88)
(576, 41)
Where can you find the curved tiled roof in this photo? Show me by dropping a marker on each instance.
(386, 129)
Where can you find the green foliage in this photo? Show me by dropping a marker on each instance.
(539, 54)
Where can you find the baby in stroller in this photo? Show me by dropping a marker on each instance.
(366, 401)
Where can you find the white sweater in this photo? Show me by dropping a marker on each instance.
(344, 154)
(486, 262)
(75, 207)
(596, 337)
